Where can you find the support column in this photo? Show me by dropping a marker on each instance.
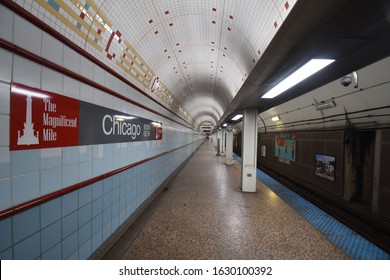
(229, 145)
(219, 142)
(223, 140)
(249, 150)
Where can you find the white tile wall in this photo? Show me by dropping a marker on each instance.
(6, 64)
(86, 68)
(25, 187)
(5, 163)
(5, 193)
(27, 36)
(71, 60)
(71, 88)
(86, 93)
(7, 24)
(76, 224)
(26, 72)
(98, 74)
(4, 128)
(52, 80)
(52, 49)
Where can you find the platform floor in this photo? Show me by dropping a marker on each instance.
(204, 215)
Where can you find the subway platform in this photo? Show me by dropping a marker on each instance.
(204, 215)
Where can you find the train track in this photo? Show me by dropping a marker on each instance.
(366, 224)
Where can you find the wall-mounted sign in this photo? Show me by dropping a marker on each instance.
(285, 147)
(100, 125)
(42, 119)
(325, 167)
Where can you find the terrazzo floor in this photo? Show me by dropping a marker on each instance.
(204, 215)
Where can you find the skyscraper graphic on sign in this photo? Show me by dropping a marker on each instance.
(28, 137)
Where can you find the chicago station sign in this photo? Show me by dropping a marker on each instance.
(42, 119)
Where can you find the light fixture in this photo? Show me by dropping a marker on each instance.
(298, 76)
(237, 117)
(325, 105)
(123, 118)
(225, 125)
(275, 118)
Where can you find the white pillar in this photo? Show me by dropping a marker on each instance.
(219, 142)
(249, 150)
(229, 145)
(223, 141)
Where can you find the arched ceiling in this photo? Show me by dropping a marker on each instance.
(192, 55)
(206, 60)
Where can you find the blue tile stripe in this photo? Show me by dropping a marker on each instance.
(355, 246)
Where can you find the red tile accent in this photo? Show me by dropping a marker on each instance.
(213, 21)
(165, 50)
(259, 52)
(286, 5)
(229, 29)
(231, 17)
(82, 15)
(212, 42)
(254, 60)
(214, 9)
(150, 21)
(99, 31)
(275, 24)
(167, 12)
(156, 32)
(177, 44)
(171, 24)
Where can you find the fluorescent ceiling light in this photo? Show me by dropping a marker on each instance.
(298, 76)
(325, 105)
(225, 125)
(237, 117)
(275, 118)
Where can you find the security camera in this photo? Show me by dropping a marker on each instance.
(346, 80)
(349, 79)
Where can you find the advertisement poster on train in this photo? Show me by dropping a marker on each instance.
(263, 150)
(285, 147)
(325, 167)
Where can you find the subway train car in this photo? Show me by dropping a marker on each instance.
(333, 146)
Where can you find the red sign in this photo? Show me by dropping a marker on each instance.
(158, 132)
(42, 119)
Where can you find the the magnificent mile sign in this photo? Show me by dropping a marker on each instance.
(42, 119)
